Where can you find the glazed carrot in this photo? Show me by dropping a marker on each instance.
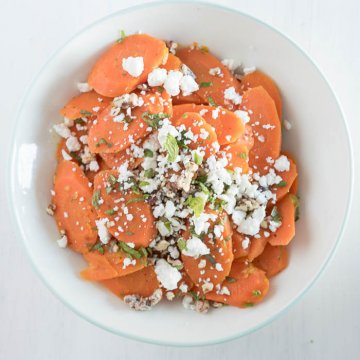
(265, 125)
(172, 63)
(237, 155)
(206, 136)
(247, 138)
(108, 136)
(288, 178)
(165, 100)
(143, 282)
(193, 98)
(114, 160)
(212, 87)
(257, 246)
(108, 265)
(220, 252)
(258, 78)
(273, 260)
(285, 233)
(73, 211)
(252, 249)
(85, 104)
(108, 76)
(227, 125)
(247, 285)
(131, 227)
(239, 250)
(295, 186)
(91, 174)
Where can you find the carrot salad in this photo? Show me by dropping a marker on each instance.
(171, 181)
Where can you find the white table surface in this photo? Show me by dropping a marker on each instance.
(325, 324)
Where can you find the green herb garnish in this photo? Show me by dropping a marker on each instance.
(296, 202)
(110, 212)
(196, 204)
(212, 101)
(256, 293)
(95, 199)
(243, 155)
(282, 183)
(103, 141)
(153, 120)
(143, 183)
(149, 173)
(79, 121)
(198, 158)
(122, 36)
(230, 279)
(99, 248)
(211, 259)
(129, 233)
(205, 84)
(248, 304)
(85, 113)
(129, 250)
(275, 215)
(172, 147)
(184, 116)
(148, 153)
(181, 244)
(160, 89)
(139, 199)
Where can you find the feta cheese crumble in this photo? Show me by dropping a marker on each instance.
(134, 66)
(167, 275)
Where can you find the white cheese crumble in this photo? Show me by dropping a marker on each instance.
(249, 69)
(134, 66)
(83, 87)
(62, 242)
(282, 164)
(65, 155)
(243, 115)
(102, 230)
(94, 166)
(188, 85)
(167, 275)
(72, 143)
(195, 248)
(62, 130)
(232, 95)
(157, 77)
(172, 82)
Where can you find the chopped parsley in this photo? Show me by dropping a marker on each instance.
(79, 121)
(196, 204)
(243, 155)
(95, 199)
(85, 113)
(205, 84)
(122, 36)
(103, 141)
(153, 120)
(181, 244)
(148, 153)
(211, 259)
(230, 279)
(99, 248)
(296, 202)
(256, 293)
(248, 304)
(110, 212)
(137, 254)
(198, 158)
(139, 199)
(149, 173)
(129, 233)
(172, 147)
(184, 116)
(275, 215)
(282, 183)
(211, 101)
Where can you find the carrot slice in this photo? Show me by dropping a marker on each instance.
(108, 265)
(295, 186)
(138, 226)
(220, 253)
(109, 136)
(109, 78)
(247, 138)
(85, 104)
(239, 250)
(252, 250)
(273, 260)
(288, 178)
(212, 87)
(286, 232)
(258, 78)
(206, 136)
(73, 211)
(237, 155)
(91, 174)
(114, 160)
(247, 285)
(172, 63)
(257, 246)
(143, 283)
(227, 125)
(193, 98)
(266, 127)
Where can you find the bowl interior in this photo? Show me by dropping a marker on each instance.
(318, 140)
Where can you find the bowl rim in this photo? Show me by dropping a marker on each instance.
(11, 186)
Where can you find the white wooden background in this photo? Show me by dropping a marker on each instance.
(35, 325)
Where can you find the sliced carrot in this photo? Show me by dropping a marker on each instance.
(206, 136)
(286, 232)
(193, 98)
(133, 228)
(257, 246)
(247, 138)
(258, 78)
(220, 253)
(108, 136)
(165, 100)
(247, 285)
(91, 174)
(273, 260)
(114, 160)
(172, 63)
(143, 283)
(227, 125)
(108, 265)
(237, 245)
(85, 104)
(73, 211)
(238, 156)
(212, 87)
(288, 178)
(295, 186)
(266, 127)
(109, 78)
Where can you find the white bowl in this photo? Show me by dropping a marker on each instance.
(319, 140)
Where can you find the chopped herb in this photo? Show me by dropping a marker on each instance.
(108, 189)
(196, 204)
(212, 101)
(160, 89)
(99, 248)
(205, 84)
(143, 183)
(211, 259)
(79, 121)
(184, 116)
(139, 199)
(143, 251)
(167, 224)
(95, 199)
(153, 120)
(195, 296)
(198, 158)
(122, 36)
(75, 156)
(248, 304)
(230, 279)
(110, 212)
(181, 244)
(243, 155)
(129, 233)
(172, 147)
(219, 204)
(202, 178)
(282, 183)
(112, 179)
(275, 215)
(103, 141)
(296, 202)
(148, 153)
(85, 113)
(256, 293)
(178, 267)
(149, 173)
(135, 188)
(129, 250)
(203, 187)
(227, 238)
(204, 49)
